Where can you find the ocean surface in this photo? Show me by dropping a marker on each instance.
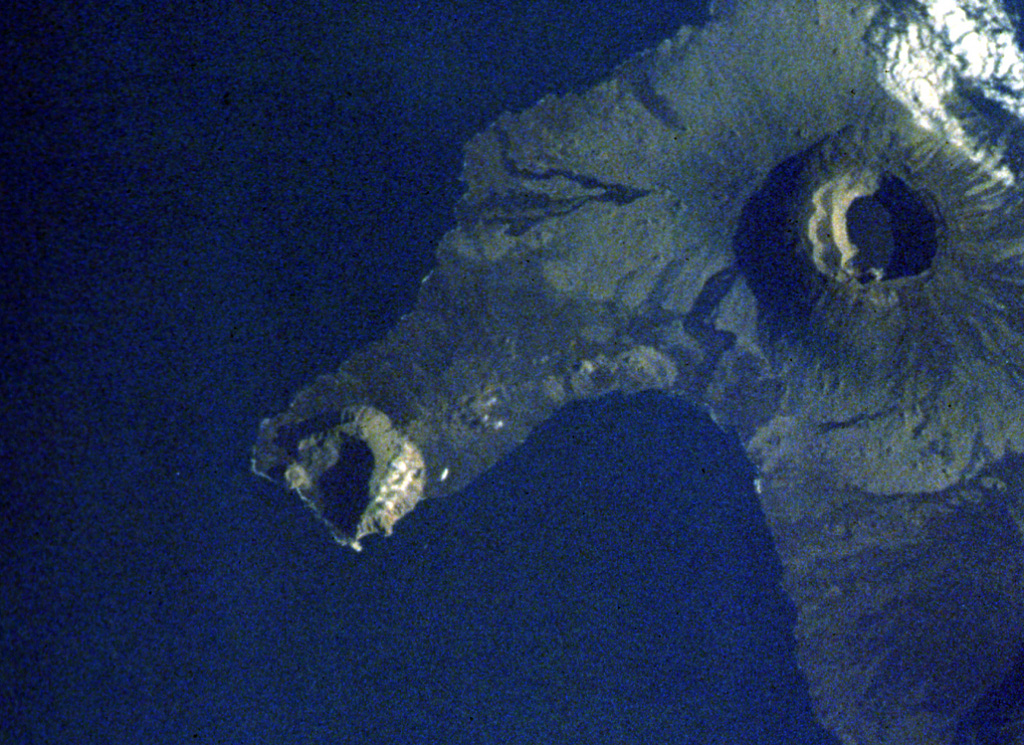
(212, 206)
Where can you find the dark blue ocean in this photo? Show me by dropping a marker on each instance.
(207, 205)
